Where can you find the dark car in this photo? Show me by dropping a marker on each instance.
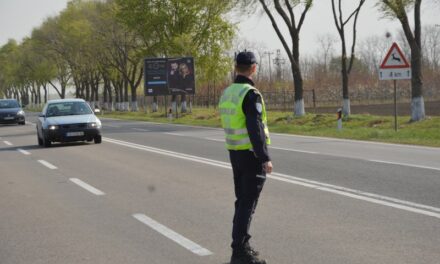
(11, 112)
(67, 120)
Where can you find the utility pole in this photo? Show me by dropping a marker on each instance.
(270, 69)
(278, 62)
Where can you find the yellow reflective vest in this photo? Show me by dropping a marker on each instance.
(234, 120)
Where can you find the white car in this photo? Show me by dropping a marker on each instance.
(68, 120)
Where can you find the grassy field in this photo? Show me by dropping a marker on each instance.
(360, 127)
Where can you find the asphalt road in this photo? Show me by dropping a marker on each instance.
(158, 193)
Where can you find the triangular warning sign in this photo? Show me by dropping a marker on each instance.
(394, 59)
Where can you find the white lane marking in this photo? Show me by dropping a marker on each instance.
(320, 185)
(215, 139)
(179, 239)
(47, 164)
(169, 153)
(30, 123)
(329, 139)
(406, 164)
(363, 198)
(294, 150)
(22, 151)
(86, 186)
(342, 156)
(326, 139)
(174, 134)
(142, 130)
(357, 194)
(8, 143)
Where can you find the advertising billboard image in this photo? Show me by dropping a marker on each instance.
(172, 76)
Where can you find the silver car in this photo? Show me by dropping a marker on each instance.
(11, 112)
(68, 120)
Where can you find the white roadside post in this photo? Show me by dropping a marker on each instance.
(395, 67)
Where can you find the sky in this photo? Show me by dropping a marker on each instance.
(19, 17)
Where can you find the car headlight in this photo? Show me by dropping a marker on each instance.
(53, 127)
(20, 113)
(94, 125)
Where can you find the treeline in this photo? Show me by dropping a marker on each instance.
(99, 46)
(322, 70)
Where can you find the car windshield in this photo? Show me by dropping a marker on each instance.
(8, 104)
(68, 108)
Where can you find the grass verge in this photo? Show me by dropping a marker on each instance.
(358, 127)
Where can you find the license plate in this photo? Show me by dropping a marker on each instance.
(8, 118)
(75, 134)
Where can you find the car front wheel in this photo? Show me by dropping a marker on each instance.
(98, 139)
(40, 141)
(46, 142)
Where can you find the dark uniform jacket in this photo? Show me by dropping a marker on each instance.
(254, 123)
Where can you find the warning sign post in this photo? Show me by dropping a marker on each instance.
(395, 67)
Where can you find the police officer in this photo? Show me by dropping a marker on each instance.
(244, 120)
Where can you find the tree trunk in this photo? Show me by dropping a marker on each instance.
(45, 92)
(125, 104)
(173, 103)
(417, 102)
(154, 106)
(134, 105)
(345, 95)
(183, 103)
(299, 109)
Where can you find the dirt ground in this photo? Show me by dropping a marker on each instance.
(431, 109)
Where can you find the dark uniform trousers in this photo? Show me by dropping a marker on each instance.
(249, 179)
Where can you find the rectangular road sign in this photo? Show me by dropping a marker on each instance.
(395, 74)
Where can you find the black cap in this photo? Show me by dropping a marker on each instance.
(246, 58)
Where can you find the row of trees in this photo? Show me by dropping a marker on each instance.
(293, 14)
(322, 69)
(99, 45)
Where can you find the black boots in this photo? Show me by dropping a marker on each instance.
(246, 255)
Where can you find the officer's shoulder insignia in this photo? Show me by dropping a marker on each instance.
(259, 107)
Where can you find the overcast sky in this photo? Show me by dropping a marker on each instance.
(19, 17)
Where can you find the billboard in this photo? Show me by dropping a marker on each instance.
(169, 76)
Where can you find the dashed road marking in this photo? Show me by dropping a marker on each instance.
(47, 164)
(8, 143)
(179, 239)
(86, 186)
(22, 151)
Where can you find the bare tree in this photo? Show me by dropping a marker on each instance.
(286, 10)
(431, 46)
(340, 23)
(326, 50)
(259, 48)
(371, 52)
